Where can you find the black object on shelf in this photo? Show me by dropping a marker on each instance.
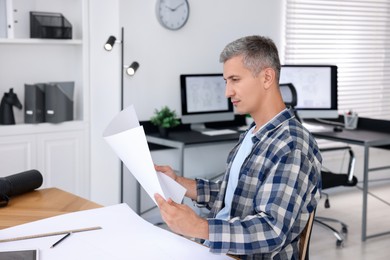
(8, 101)
(59, 97)
(49, 26)
(34, 103)
(51, 102)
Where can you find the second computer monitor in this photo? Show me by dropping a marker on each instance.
(203, 100)
(316, 87)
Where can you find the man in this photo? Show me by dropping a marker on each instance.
(272, 181)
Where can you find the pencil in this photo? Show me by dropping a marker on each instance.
(62, 239)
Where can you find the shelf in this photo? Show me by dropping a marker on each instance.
(41, 41)
(20, 129)
(60, 151)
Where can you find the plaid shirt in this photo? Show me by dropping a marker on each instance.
(278, 187)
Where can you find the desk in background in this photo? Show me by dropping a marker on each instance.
(370, 133)
(182, 136)
(182, 139)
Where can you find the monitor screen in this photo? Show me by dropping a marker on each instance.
(203, 100)
(316, 87)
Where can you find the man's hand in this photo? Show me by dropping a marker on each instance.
(166, 170)
(182, 219)
(189, 184)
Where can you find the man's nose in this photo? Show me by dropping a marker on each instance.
(228, 91)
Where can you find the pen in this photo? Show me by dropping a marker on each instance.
(62, 239)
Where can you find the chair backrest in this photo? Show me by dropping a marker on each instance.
(290, 97)
(289, 94)
(304, 239)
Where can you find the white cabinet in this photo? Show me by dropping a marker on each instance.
(59, 151)
(17, 153)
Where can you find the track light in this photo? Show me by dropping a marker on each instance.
(110, 43)
(130, 70)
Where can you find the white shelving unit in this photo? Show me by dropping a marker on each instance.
(40, 41)
(59, 151)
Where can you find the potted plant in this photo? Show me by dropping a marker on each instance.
(165, 118)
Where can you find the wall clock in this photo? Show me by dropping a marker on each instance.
(172, 14)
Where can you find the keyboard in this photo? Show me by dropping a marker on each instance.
(219, 132)
(317, 128)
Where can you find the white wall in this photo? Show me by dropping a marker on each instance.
(105, 99)
(163, 55)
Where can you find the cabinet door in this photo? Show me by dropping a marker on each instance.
(62, 158)
(17, 154)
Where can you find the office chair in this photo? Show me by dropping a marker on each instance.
(331, 180)
(290, 97)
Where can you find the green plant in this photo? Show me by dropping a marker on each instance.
(165, 118)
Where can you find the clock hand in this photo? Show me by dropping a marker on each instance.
(171, 9)
(174, 9)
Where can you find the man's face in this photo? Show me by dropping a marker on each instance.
(245, 90)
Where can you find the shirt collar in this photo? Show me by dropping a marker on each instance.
(283, 116)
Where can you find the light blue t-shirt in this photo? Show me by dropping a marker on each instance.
(243, 152)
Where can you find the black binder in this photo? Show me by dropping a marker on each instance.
(59, 101)
(34, 103)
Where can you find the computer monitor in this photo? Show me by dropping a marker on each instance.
(203, 100)
(316, 87)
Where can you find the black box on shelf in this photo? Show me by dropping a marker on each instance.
(34, 103)
(59, 101)
(49, 26)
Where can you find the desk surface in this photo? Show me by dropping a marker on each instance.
(194, 137)
(357, 136)
(370, 133)
(40, 204)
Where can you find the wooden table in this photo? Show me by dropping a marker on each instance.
(40, 204)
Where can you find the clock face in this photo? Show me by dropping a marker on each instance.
(173, 14)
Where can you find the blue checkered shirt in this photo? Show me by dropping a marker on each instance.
(278, 187)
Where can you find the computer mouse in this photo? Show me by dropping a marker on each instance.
(338, 129)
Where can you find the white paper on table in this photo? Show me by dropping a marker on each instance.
(127, 138)
(124, 235)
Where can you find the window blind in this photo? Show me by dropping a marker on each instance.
(352, 34)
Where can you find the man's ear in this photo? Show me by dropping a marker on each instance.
(269, 77)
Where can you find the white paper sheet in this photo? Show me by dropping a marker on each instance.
(124, 235)
(127, 138)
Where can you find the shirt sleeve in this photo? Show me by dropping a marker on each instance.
(207, 192)
(279, 202)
